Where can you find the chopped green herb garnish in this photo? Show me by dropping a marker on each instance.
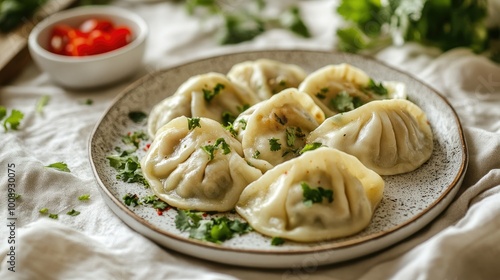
(256, 154)
(155, 202)
(41, 103)
(17, 196)
(73, 212)
(53, 216)
(315, 195)
(231, 129)
(243, 124)
(274, 144)
(131, 199)
(310, 146)
(344, 102)
(44, 211)
(243, 108)
(322, 93)
(281, 119)
(277, 241)
(137, 116)
(215, 230)
(377, 88)
(88, 101)
(228, 118)
(210, 94)
(61, 166)
(13, 121)
(291, 20)
(128, 167)
(290, 136)
(84, 197)
(225, 147)
(193, 123)
(134, 138)
(210, 150)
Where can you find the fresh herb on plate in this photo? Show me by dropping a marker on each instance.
(274, 144)
(193, 123)
(128, 167)
(61, 166)
(131, 199)
(315, 195)
(310, 147)
(210, 94)
(137, 116)
(134, 138)
(277, 241)
(215, 230)
(211, 149)
(344, 102)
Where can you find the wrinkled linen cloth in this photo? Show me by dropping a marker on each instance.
(463, 242)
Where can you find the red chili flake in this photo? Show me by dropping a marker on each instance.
(129, 133)
(204, 214)
(147, 147)
(159, 212)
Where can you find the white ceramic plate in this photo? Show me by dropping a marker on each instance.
(410, 200)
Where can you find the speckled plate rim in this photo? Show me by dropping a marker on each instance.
(347, 250)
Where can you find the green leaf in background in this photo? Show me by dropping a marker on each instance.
(445, 24)
(41, 103)
(14, 12)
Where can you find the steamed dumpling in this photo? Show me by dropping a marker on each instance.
(211, 95)
(343, 87)
(321, 195)
(388, 136)
(197, 165)
(267, 77)
(275, 130)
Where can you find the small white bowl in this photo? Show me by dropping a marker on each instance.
(93, 70)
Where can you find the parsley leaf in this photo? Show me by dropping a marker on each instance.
(377, 88)
(225, 146)
(321, 94)
(134, 138)
(44, 210)
(210, 149)
(315, 195)
(193, 123)
(3, 112)
(61, 166)
(291, 20)
(155, 202)
(344, 102)
(131, 199)
(42, 102)
(215, 230)
(128, 167)
(84, 197)
(310, 147)
(228, 118)
(256, 154)
(243, 124)
(53, 216)
(277, 241)
(274, 144)
(210, 94)
(137, 116)
(73, 212)
(13, 120)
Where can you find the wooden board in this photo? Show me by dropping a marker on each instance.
(14, 54)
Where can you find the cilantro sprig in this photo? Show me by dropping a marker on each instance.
(215, 230)
(219, 143)
(315, 195)
(61, 166)
(210, 94)
(128, 166)
(13, 120)
(344, 102)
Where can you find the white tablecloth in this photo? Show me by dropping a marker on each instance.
(462, 243)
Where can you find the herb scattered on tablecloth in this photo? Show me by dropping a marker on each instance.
(12, 121)
(84, 197)
(61, 166)
(44, 210)
(215, 230)
(73, 212)
(41, 103)
(87, 101)
(54, 216)
(243, 21)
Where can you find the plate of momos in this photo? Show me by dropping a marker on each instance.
(335, 155)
